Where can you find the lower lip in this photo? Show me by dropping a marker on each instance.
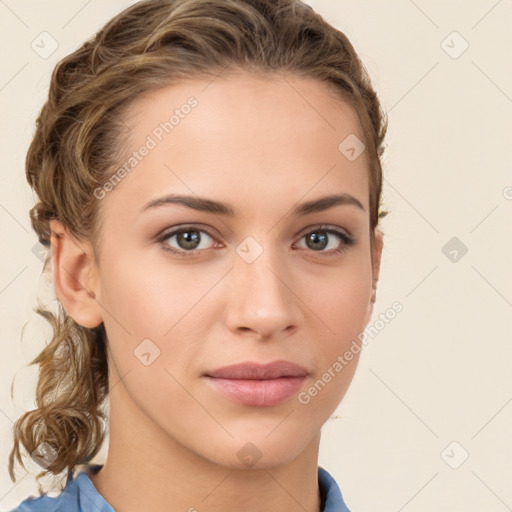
(260, 393)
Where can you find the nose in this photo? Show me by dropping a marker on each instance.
(262, 300)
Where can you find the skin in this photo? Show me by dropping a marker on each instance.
(256, 144)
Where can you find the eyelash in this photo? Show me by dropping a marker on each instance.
(344, 237)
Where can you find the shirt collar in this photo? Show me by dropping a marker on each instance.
(331, 497)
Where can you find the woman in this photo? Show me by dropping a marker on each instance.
(209, 181)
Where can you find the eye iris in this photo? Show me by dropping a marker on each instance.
(314, 238)
(188, 239)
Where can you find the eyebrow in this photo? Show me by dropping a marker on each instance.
(219, 208)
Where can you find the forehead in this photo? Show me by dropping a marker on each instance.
(239, 133)
(244, 97)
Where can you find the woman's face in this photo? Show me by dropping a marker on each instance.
(257, 274)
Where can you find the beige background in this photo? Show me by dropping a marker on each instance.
(440, 371)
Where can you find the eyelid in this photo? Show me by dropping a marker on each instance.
(325, 227)
(184, 226)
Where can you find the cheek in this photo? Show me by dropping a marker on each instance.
(148, 299)
(341, 302)
(157, 303)
(340, 314)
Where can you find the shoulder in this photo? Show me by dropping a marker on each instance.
(332, 499)
(66, 500)
(79, 495)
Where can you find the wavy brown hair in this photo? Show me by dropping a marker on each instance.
(79, 142)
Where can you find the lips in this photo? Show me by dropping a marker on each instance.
(261, 385)
(250, 370)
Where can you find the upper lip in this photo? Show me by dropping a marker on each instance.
(252, 370)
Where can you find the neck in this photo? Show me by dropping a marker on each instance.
(147, 470)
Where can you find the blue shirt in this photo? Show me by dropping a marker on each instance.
(80, 495)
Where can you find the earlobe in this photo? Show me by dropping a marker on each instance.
(75, 277)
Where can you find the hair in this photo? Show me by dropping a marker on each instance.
(78, 144)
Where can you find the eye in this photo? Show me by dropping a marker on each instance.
(188, 239)
(327, 239)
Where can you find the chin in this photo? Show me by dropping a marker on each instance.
(256, 452)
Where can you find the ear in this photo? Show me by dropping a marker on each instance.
(376, 259)
(75, 276)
